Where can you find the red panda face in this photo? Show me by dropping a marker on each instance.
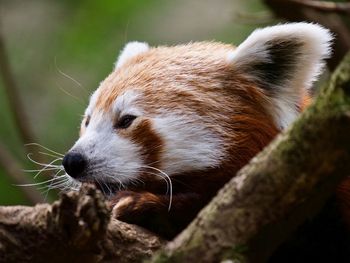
(194, 108)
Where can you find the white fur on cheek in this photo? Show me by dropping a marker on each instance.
(188, 145)
(131, 49)
(111, 158)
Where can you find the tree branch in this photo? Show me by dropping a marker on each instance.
(298, 10)
(341, 8)
(74, 229)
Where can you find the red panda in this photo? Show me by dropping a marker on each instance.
(171, 125)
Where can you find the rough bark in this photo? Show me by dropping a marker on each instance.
(249, 217)
(76, 228)
(286, 183)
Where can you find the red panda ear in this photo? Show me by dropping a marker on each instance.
(284, 60)
(130, 50)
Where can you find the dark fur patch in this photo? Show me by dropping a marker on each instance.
(283, 61)
(151, 143)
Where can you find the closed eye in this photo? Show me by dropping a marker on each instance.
(124, 122)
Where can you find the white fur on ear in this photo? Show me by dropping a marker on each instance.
(130, 50)
(284, 60)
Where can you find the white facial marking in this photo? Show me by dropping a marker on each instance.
(111, 158)
(189, 146)
(131, 49)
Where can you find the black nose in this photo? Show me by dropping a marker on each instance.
(74, 163)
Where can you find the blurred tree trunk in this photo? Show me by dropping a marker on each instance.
(256, 211)
(21, 121)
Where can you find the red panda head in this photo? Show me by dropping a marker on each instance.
(195, 108)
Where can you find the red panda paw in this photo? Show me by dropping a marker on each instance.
(135, 207)
(144, 209)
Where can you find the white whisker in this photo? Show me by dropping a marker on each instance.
(71, 95)
(170, 183)
(164, 178)
(44, 164)
(37, 144)
(70, 77)
(48, 167)
(60, 179)
(56, 177)
(38, 170)
(34, 184)
(54, 184)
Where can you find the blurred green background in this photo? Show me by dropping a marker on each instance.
(46, 39)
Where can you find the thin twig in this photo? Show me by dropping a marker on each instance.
(14, 100)
(301, 10)
(343, 8)
(13, 170)
(257, 18)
